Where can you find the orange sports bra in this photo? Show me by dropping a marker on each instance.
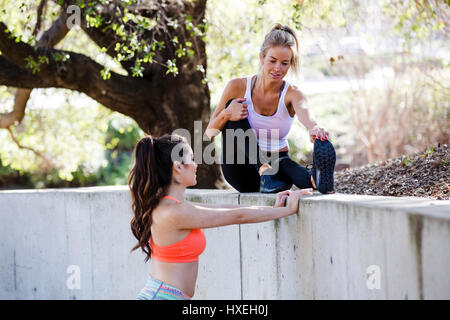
(185, 250)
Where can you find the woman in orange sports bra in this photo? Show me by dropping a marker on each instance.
(168, 228)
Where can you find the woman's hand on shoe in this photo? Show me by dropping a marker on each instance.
(237, 110)
(294, 197)
(318, 132)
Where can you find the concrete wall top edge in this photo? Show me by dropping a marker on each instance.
(70, 190)
(424, 206)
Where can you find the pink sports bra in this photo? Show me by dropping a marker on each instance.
(185, 250)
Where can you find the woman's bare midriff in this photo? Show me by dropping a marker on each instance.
(179, 275)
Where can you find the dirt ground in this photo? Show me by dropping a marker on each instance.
(425, 174)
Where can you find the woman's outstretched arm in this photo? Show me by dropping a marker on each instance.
(187, 216)
(299, 101)
(279, 202)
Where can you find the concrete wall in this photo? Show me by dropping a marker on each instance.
(334, 248)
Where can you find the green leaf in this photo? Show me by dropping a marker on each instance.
(105, 73)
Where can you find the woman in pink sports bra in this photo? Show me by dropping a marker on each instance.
(168, 228)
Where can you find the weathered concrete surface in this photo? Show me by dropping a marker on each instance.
(219, 265)
(44, 232)
(329, 250)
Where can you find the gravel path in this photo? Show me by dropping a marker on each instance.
(425, 175)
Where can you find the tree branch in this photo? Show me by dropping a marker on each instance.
(14, 52)
(13, 76)
(163, 12)
(16, 116)
(49, 163)
(105, 37)
(40, 11)
(56, 32)
(50, 38)
(145, 8)
(79, 72)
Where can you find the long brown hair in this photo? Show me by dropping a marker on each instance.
(149, 181)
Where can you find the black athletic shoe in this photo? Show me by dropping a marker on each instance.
(324, 159)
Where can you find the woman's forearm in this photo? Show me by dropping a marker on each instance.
(305, 118)
(217, 123)
(226, 206)
(220, 205)
(263, 213)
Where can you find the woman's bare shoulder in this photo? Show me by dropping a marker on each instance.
(236, 85)
(165, 211)
(294, 94)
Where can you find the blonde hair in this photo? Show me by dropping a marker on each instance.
(283, 36)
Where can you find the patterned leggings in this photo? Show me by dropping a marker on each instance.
(157, 290)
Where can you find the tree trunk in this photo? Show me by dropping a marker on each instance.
(160, 103)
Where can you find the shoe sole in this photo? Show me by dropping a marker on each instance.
(325, 159)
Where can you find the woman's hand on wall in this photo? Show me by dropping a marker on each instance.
(281, 198)
(294, 197)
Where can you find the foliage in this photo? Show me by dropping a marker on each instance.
(121, 137)
(90, 145)
(361, 42)
(128, 26)
(416, 20)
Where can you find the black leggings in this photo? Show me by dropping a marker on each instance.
(245, 177)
